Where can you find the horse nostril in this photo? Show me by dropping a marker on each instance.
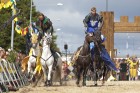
(48, 39)
(33, 45)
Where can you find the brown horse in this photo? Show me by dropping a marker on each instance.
(86, 61)
(98, 66)
(82, 63)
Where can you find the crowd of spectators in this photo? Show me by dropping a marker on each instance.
(10, 55)
(129, 68)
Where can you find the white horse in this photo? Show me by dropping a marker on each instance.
(47, 60)
(36, 52)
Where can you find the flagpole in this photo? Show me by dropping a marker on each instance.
(12, 32)
(127, 43)
(31, 12)
(106, 5)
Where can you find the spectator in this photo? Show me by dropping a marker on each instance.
(118, 67)
(65, 70)
(139, 73)
(2, 51)
(132, 68)
(123, 70)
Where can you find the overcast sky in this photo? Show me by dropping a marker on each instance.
(72, 13)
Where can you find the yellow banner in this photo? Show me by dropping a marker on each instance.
(4, 1)
(7, 3)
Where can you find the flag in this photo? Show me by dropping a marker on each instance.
(1, 5)
(21, 31)
(7, 4)
(18, 29)
(13, 7)
(127, 45)
(14, 4)
(4, 1)
(15, 12)
(13, 1)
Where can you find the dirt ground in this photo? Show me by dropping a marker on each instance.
(70, 87)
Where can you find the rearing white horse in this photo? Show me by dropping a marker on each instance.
(36, 52)
(47, 58)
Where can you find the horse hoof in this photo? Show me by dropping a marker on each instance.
(95, 84)
(33, 79)
(77, 83)
(103, 83)
(61, 83)
(49, 83)
(84, 84)
(45, 85)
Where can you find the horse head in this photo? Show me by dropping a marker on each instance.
(47, 39)
(34, 39)
(89, 38)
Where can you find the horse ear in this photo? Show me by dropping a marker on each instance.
(45, 34)
(31, 33)
(50, 35)
(37, 33)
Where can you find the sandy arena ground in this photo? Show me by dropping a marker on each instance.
(70, 87)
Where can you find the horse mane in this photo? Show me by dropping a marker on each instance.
(86, 48)
(34, 38)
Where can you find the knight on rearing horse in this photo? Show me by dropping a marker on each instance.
(94, 22)
(44, 25)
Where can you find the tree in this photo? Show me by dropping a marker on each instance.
(5, 33)
(19, 41)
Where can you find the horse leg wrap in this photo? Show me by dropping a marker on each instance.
(54, 65)
(49, 82)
